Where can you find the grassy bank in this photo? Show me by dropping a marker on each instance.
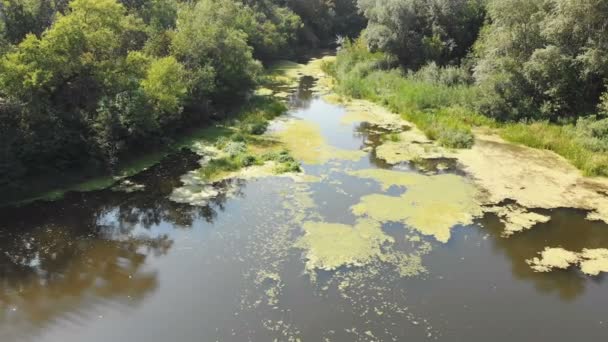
(441, 102)
(573, 142)
(438, 109)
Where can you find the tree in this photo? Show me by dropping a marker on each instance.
(165, 86)
(209, 42)
(419, 31)
(543, 58)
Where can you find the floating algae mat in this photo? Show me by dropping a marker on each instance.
(516, 218)
(304, 141)
(591, 261)
(432, 205)
(330, 245)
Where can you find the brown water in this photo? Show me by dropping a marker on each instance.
(114, 266)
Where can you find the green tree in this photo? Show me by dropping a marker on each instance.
(419, 31)
(165, 86)
(209, 42)
(542, 58)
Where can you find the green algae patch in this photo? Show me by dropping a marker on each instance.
(552, 258)
(591, 261)
(432, 205)
(531, 177)
(380, 208)
(516, 218)
(396, 152)
(263, 91)
(286, 74)
(330, 246)
(305, 142)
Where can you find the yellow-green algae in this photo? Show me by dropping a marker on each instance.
(329, 246)
(594, 261)
(395, 152)
(432, 205)
(305, 142)
(552, 258)
(516, 218)
(531, 177)
(287, 74)
(591, 261)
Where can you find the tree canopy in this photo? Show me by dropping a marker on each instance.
(83, 81)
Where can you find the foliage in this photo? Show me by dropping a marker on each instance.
(165, 86)
(325, 19)
(439, 107)
(571, 142)
(417, 31)
(543, 58)
(443, 108)
(86, 82)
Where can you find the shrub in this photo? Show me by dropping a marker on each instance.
(235, 148)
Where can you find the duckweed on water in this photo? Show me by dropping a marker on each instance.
(395, 152)
(552, 258)
(517, 218)
(329, 246)
(533, 178)
(305, 142)
(594, 261)
(591, 261)
(433, 205)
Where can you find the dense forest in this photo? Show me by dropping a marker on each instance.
(88, 81)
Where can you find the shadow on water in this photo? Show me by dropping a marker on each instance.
(568, 229)
(59, 260)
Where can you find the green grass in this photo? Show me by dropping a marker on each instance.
(561, 139)
(438, 110)
(239, 158)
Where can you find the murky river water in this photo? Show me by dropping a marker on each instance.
(115, 266)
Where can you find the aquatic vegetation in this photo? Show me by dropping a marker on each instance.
(286, 74)
(365, 111)
(516, 218)
(306, 144)
(591, 261)
(432, 205)
(594, 261)
(533, 178)
(395, 152)
(552, 258)
(330, 246)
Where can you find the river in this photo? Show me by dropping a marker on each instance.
(264, 259)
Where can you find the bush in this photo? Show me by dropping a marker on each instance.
(235, 148)
(448, 75)
(593, 133)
